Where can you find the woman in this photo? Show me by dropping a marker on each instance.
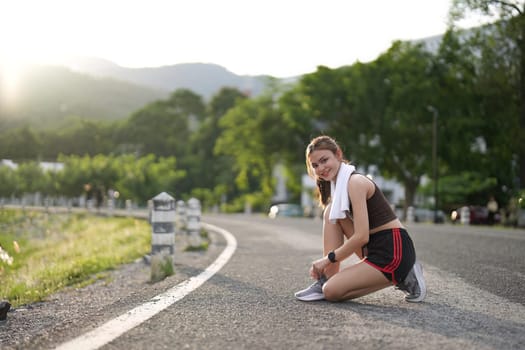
(355, 208)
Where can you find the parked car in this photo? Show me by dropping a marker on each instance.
(479, 215)
(285, 209)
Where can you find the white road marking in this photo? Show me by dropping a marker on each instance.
(123, 323)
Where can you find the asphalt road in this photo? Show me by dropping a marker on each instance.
(475, 278)
(490, 258)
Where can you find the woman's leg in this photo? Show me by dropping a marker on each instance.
(333, 238)
(354, 281)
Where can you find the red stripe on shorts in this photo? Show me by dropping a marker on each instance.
(398, 254)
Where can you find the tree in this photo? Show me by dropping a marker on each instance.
(20, 144)
(253, 135)
(84, 137)
(207, 170)
(404, 132)
(159, 128)
(8, 182)
(30, 178)
(135, 178)
(461, 124)
(76, 176)
(508, 49)
(140, 179)
(188, 103)
(321, 103)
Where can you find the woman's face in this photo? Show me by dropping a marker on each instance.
(325, 164)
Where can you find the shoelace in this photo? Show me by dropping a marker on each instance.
(322, 280)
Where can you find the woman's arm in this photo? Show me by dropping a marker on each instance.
(358, 189)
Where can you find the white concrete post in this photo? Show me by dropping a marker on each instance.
(194, 221)
(111, 206)
(247, 208)
(163, 224)
(464, 215)
(410, 215)
(521, 217)
(181, 217)
(129, 207)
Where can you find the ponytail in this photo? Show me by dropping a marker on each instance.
(323, 192)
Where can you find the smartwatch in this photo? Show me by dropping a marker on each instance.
(331, 257)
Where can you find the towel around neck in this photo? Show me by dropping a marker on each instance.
(339, 193)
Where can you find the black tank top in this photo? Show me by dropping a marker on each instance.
(379, 210)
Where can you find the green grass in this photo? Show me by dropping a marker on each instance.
(161, 267)
(60, 250)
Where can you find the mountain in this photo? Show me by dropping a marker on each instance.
(47, 96)
(96, 89)
(205, 79)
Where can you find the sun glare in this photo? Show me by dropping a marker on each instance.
(9, 82)
(13, 66)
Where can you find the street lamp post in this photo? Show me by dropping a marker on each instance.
(434, 158)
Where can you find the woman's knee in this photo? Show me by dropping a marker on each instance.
(332, 292)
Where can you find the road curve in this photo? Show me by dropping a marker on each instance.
(123, 323)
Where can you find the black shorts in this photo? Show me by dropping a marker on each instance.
(391, 252)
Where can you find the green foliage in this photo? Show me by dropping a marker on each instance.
(188, 103)
(158, 128)
(21, 143)
(140, 179)
(501, 81)
(253, 136)
(8, 182)
(83, 137)
(405, 120)
(34, 178)
(466, 188)
(208, 176)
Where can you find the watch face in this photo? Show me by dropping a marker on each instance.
(331, 257)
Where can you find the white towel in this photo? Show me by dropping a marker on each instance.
(339, 193)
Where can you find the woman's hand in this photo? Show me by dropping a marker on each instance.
(318, 267)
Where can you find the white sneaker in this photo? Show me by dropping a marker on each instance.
(414, 284)
(313, 292)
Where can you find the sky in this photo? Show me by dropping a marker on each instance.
(282, 38)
